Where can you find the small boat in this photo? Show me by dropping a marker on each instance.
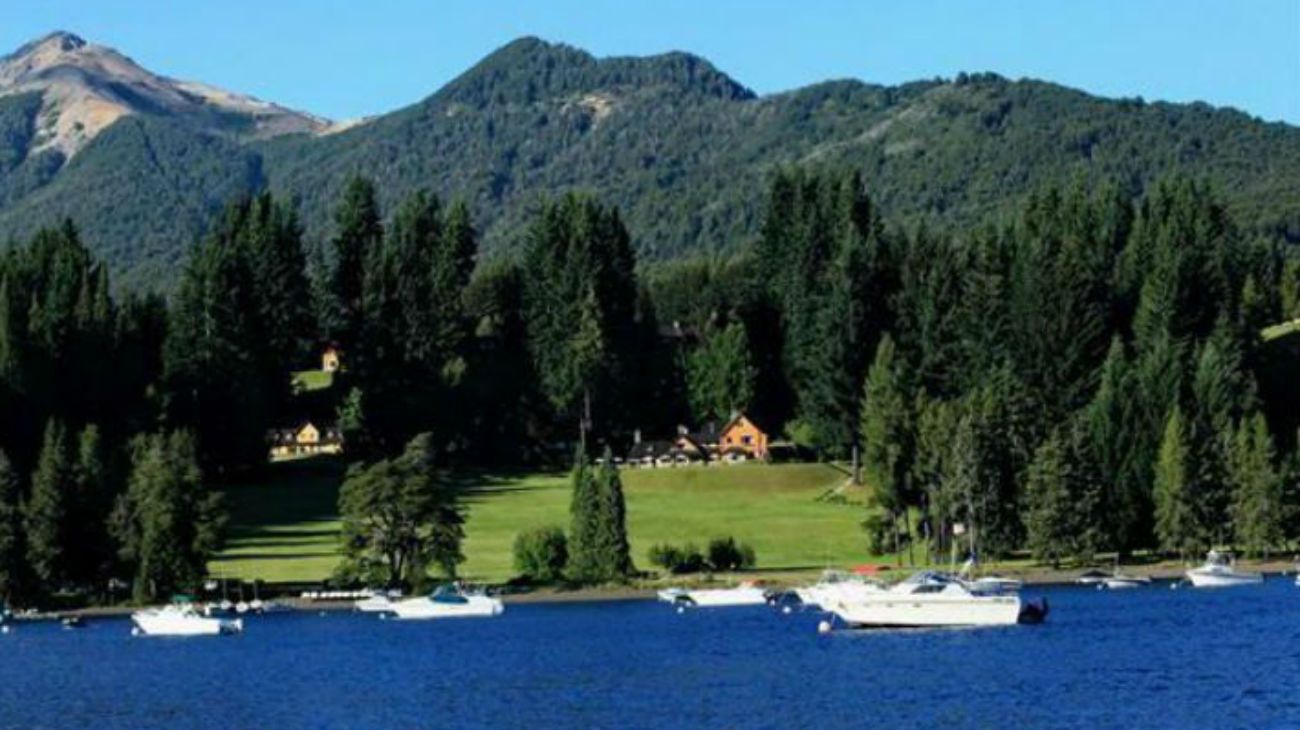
(993, 584)
(1092, 578)
(73, 622)
(447, 601)
(1220, 571)
(375, 603)
(1121, 581)
(181, 618)
(929, 599)
(835, 585)
(745, 594)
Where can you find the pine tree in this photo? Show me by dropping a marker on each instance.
(1050, 519)
(720, 374)
(358, 233)
(13, 560)
(90, 502)
(1258, 510)
(1125, 501)
(887, 438)
(579, 304)
(1176, 522)
(49, 534)
(586, 563)
(166, 525)
(615, 553)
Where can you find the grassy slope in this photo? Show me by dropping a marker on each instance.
(285, 529)
(310, 380)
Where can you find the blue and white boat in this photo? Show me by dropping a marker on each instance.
(448, 601)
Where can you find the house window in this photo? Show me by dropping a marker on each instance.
(746, 439)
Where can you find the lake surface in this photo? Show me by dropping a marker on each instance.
(1147, 658)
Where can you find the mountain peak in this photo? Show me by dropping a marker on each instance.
(85, 88)
(529, 68)
(57, 42)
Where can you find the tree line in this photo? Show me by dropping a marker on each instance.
(1086, 375)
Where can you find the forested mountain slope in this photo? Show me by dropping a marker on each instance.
(681, 148)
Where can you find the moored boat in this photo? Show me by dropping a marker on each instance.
(991, 584)
(1121, 581)
(181, 619)
(376, 602)
(932, 599)
(745, 594)
(1092, 578)
(447, 601)
(1220, 571)
(835, 585)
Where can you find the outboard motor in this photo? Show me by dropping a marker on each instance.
(1034, 612)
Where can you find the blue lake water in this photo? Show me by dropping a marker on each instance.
(1148, 658)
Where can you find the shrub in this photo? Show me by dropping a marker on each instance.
(727, 554)
(541, 554)
(687, 559)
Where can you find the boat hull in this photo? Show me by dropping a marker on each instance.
(720, 597)
(415, 609)
(1119, 584)
(1222, 580)
(930, 611)
(149, 624)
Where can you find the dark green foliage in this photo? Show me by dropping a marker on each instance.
(598, 547)
(1259, 509)
(888, 439)
(725, 554)
(541, 554)
(358, 236)
(1063, 499)
(49, 529)
(720, 374)
(678, 560)
(579, 304)
(821, 256)
(400, 516)
(1176, 492)
(167, 524)
(14, 579)
(226, 363)
(683, 150)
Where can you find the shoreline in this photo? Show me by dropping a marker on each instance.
(775, 579)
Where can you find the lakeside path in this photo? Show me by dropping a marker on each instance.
(1032, 575)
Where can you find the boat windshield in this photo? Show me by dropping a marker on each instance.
(448, 593)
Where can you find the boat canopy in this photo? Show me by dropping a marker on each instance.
(448, 593)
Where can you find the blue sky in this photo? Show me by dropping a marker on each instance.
(344, 59)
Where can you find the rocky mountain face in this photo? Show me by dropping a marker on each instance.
(141, 162)
(85, 88)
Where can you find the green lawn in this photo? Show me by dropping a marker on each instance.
(306, 381)
(285, 529)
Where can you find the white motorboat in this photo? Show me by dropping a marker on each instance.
(745, 594)
(182, 619)
(836, 585)
(1121, 581)
(1220, 571)
(447, 602)
(1092, 578)
(378, 603)
(932, 599)
(993, 584)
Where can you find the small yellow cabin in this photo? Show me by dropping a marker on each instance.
(304, 440)
(331, 360)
